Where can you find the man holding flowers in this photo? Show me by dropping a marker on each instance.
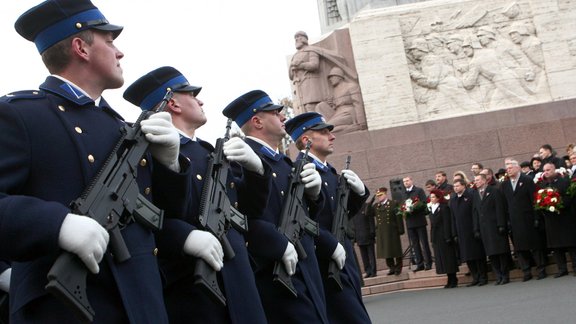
(414, 212)
(553, 204)
(525, 224)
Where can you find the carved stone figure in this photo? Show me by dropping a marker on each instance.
(523, 35)
(303, 72)
(314, 88)
(445, 93)
(502, 86)
(509, 55)
(344, 109)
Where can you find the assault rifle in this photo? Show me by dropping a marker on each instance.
(340, 224)
(217, 215)
(294, 221)
(113, 200)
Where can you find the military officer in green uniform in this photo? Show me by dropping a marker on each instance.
(389, 227)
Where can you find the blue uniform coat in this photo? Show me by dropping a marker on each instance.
(186, 303)
(53, 142)
(343, 306)
(267, 245)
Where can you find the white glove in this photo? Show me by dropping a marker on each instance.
(206, 246)
(237, 150)
(5, 280)
(84, 237)
(339, 256)
(311, 179)
(164, 139)
(290, 259)
(354, 181)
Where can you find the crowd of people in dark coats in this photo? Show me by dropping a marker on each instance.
(514, 218)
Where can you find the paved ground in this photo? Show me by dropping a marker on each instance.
(546, 301)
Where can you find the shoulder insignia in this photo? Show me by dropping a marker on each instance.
(25, 94)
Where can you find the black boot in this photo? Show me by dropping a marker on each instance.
(398, 267)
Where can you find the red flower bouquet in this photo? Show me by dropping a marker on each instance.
(410, 206)
(548, 199)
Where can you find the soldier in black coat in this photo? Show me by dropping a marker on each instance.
(561, 223)
(471, 249)
(528, 242)
(364, 235)
(184, 242)
(54, 141)
(442, 238)
(263, 123)
(416, 226)
(490, 227)
(343, 302)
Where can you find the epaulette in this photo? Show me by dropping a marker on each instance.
(24, 94)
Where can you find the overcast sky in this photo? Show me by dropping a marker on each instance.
(228, 47)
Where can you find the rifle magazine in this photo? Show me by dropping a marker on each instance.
(205, 277)
(67, 281)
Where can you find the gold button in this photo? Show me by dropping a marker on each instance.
(232, 185)
(78, 25)
(143, 162)
(274, 174)
(326, 184)
(282, 192)
(91, 158)
(61, 108)
(155, 251)
(78, 130)
(199, 177)
(147, 190)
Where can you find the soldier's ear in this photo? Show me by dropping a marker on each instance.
(173, 106)
(256, 122)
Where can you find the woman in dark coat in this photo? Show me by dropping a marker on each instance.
(442, 238)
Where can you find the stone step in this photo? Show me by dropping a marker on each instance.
(409, 280)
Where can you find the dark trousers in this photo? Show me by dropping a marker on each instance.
(394, 264)
(417, 236)
(500, 266)
(368, 255)
(560, 258)
(478, 269)
(539, 257)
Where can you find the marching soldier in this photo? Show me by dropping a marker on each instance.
(344, 305)
(263, 123)
(186, 302)
(39, 181)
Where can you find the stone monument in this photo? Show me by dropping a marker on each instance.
(445, 83)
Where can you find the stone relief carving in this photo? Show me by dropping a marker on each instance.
(324, 81)
(475, 59)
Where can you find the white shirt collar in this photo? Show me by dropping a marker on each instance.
(263, 143)
(185, 135)
(96, 101)
(315, 157)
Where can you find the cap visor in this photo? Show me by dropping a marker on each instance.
(322, 126)
(116, 30)
(272, 107)
(189, 88)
